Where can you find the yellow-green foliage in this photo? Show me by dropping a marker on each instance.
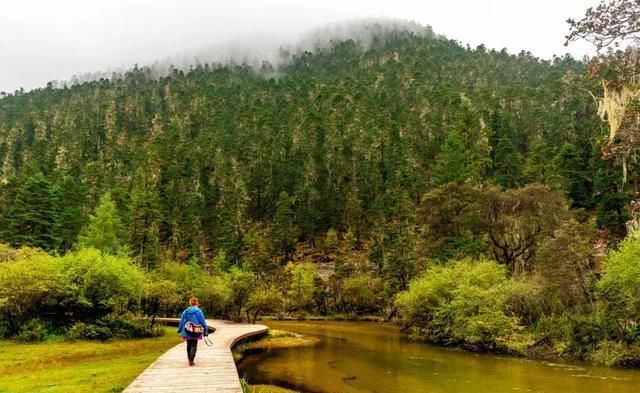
(269, 389)
(301, 284)
(82, 284)
(462, 302)
(620, 283)
(283, 339)
(275, 339)
(62, 367)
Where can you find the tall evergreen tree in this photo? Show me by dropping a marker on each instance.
(105, 231)
(570, 163)
(507, 163)
(540, 168)
(144, 221)
(284, 233)
(451, 163)
(33, 216)
(72, 217)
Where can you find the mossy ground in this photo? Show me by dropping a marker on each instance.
(59, 366)
(269, 389)
(273, 340)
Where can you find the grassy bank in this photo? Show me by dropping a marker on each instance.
(275, 339)
(83, 366)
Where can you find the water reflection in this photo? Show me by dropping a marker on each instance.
(372, 358)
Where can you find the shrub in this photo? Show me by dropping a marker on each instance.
(100, 284)
(214, 294)
(357, 294)
(619, 289)
(133, 327)
(265, 299)
(585, 332)
(32, 331)
(616, 354)
(301, 285)
(89, 331)
(462, 302)
(29, 285)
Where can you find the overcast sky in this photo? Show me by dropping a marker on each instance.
(44, 40)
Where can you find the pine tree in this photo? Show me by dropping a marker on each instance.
(104, 231)
(450, 165)
(33, 216)
(610, 199)
(144, 221)
(570, 163)
(71, 194)
(507, 163)
(283, 233)
(540, 168)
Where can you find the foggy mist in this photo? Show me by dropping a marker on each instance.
(42, 41)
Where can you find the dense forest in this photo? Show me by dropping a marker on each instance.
(462, 192)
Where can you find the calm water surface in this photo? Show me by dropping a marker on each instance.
(355, 357)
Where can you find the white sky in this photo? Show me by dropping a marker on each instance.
(43, 40)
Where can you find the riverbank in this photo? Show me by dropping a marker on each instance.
(524, 345)
(275, 339)
(62, 366)
(360, 357)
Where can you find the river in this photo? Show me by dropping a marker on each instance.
(360, 357)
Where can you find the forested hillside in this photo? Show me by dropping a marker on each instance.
(348, 135)
(337, 178)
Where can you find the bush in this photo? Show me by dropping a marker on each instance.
(99, 284)
(357, 294)
(89, 331)
(617, 354)
(132, 327)
(265, 299)
(463, 302)
(31, 332)
(585, 333)
(300, 295)
(29, 286)
(619, 289)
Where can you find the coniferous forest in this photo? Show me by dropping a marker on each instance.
(460, 192)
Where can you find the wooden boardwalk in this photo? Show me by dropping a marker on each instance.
(215, 370)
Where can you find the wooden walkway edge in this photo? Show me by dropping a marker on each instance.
(215, 369)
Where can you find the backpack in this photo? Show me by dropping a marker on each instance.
(194, 330)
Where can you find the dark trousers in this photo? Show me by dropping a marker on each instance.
(192, 347)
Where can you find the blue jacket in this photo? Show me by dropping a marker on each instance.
(195, 315)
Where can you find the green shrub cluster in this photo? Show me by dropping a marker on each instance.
(464, 302)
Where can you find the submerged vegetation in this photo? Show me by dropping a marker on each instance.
(460, 191)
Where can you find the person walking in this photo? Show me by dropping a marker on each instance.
(193, 327)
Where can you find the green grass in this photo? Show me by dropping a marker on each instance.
(269, 389)
(274, 339)
(84, 366)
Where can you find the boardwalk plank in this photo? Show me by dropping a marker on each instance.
(215, 370)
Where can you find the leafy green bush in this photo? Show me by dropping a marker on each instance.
(265, 299)
(89, 331)
(463, 302)
(29, 285)
(619, 290)
(585, 333)
(32, 331)
(357, 294)
(616, 354)
(133, 327)
(97, 284)
(301, 285)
